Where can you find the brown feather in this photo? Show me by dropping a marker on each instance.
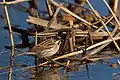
(46, 44)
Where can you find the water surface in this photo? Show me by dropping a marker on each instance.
(97, 71)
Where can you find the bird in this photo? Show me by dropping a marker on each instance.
(46, 48)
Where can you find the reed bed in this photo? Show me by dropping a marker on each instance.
(83, 32)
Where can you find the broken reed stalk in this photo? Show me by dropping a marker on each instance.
(11, 39)
(91, 38)
(49, 8)
(112, 13)
(104, 57)
(104, 18)
(61, 64)
(53, 19)
(105, 24)
(106, 42)
(65, 46)
(99, 48)
(36, 38)
(114, 30)
(97, 14)
(13, 2)
(114, 5)
(96, 50)
(69, 12)
(9, 26)
(43, 22)
(70, 44)
(73, 39)
(111, 36)
(71, 23)
(68, 62)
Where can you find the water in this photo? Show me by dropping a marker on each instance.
(96, 71)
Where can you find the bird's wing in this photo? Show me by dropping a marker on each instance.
(47, 44)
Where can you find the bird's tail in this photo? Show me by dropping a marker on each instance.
(25, 53)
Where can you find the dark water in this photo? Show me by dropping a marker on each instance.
(97, 71)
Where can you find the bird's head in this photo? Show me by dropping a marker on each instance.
(58, 42)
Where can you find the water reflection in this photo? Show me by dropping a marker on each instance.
(50, 74)
(57, 74)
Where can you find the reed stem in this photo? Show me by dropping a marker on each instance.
(97, 14)
(112, 13)
(11, 39)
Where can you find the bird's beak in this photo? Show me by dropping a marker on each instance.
(58, 42)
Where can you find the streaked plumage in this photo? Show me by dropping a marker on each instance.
(46, 48)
